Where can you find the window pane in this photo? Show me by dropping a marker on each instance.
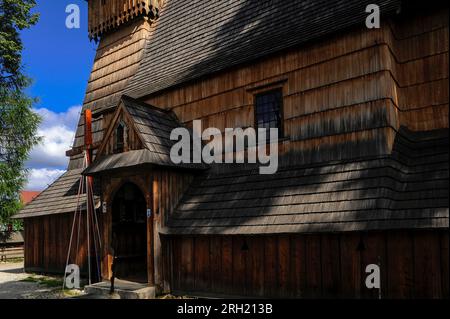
(268, 110)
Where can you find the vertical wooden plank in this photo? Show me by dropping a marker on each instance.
(54, 244)
(350, 266)
(167, 262)
(215, 257)
(40, 240)
(106, 231)
(400, 265)
(157, 251)
(270, 266)
(42, 249)
(150, 251)
(444, 263)
(239, 278)
(187, 263)
(62, 250)
(373, 251)
(61, 261)
(28, 239)
(47, 243)
(298, 266)
(284, 285)
(255, 266)
(331, 268)
(202, 265)
(176, 264)
(166, 193)
(313, 266)
(227, 264)
(152, 254)
(427, 264)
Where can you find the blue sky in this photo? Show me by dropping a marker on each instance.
(59, 61)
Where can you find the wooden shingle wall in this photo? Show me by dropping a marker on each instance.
(417, 54)
(406, 190)
(118, 56)
(116, 61)
(340, 92)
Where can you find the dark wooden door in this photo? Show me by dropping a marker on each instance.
(129, 230)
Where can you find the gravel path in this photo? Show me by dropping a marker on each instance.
(12, 286)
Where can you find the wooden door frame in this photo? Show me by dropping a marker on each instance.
(111, 185)
(150, 248)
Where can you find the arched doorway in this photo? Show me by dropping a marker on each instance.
(129, 234)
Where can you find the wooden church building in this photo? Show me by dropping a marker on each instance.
(363, 175)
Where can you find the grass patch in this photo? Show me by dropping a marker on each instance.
(14, 260)
(30, 279)
(51, 282)
(46, 281)
(72, 293)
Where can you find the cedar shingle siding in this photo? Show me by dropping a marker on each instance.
(406, 190)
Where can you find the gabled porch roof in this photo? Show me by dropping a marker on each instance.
(153, 126)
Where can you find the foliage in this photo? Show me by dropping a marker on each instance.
(15, 15)
(18, 122)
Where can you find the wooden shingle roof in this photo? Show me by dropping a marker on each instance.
(196, 38)
(153, 125)
(60, 197)
(408, 189)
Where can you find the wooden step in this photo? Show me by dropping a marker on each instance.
(124, 289)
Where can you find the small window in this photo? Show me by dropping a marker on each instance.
(268, 111)
(120, 138)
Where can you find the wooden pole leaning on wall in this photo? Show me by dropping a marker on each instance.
(88, 133)
(90, 204)
(92, 222)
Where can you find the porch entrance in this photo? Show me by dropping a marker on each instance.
(129, 234)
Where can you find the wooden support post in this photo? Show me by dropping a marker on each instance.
(150, 252)
(88, 134)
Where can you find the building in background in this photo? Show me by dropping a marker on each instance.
(28, 196)
(11, 240)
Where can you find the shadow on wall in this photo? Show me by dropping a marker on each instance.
(398, 190)
(258, 28)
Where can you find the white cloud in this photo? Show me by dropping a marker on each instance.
(57, 131)
(39, 179)
(68, 119)
(48, 160)
(51, 152)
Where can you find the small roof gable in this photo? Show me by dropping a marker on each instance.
(153, 126)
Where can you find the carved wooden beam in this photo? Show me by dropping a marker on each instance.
(106, 15)
(80, 149)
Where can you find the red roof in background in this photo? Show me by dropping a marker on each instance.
(28, 196)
